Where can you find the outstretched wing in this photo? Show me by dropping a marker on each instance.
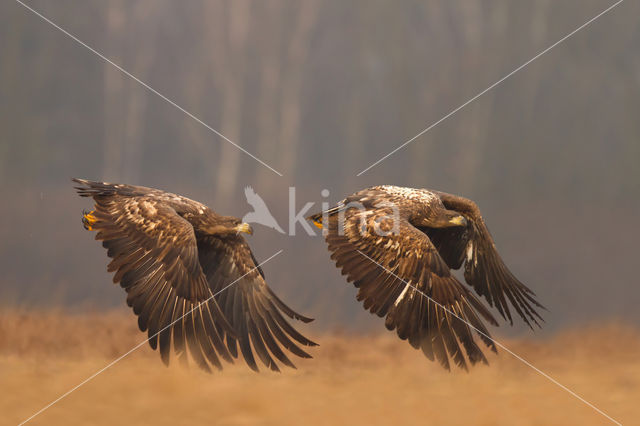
(484, 268)
(400, 275)
(252, 308)
(155, 259)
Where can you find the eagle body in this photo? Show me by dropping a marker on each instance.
(190, 277)
(399, 245)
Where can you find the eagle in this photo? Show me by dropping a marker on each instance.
(191, 278)
(399, 246)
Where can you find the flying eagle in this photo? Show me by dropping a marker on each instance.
(190, 277)
(399, 245)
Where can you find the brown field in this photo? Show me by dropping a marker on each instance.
(351, 380)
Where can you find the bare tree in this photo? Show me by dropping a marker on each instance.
(231, 65)
(270, 78)
(137, 97)
(114, 92)
(293, 73)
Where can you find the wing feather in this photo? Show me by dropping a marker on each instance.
(254, 310)
(484, 269)
(206, 344)
(402, 276)
(155, 259)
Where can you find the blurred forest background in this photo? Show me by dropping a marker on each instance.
(319, 90)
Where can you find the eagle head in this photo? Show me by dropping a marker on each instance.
(227, 225)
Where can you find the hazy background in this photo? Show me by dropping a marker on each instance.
(319, 91)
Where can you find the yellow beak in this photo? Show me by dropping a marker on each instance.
(246, 228)
(458, 220)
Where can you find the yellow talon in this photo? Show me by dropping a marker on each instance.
(318, 224)
(88, 220)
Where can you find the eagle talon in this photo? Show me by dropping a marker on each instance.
(88, 219)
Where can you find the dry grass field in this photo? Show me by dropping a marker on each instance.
(351, 380)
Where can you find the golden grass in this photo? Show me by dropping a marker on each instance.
(352, 379)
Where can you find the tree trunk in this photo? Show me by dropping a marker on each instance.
(233, 95)
(113, 94)
(290, 114)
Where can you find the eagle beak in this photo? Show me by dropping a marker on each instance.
(458, 221)
(246, 228)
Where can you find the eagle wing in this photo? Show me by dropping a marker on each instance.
(252, 308)
(484, 269)
(400, 275)
(155, 259)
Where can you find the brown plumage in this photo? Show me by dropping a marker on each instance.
(398, 246)
(173, 255)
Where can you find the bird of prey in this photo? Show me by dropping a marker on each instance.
(190, 277)
(398, 246)
(260, 213)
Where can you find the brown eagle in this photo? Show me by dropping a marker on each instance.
(190, 277)
(399, 245)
